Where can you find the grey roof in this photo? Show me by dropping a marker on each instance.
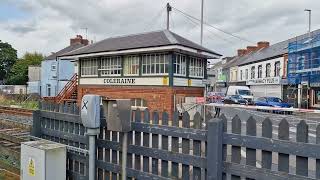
(275, 50)
(272, 51)
(136, 41)
(64, 50)
(237, 60)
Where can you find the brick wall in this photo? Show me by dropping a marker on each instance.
(158, 98)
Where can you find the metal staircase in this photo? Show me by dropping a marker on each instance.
(68, 94)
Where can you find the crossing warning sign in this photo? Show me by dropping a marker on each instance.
(31, 167)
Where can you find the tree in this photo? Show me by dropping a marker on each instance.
(18, 74)
(8, 56)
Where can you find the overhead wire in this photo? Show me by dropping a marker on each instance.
(230, 34)
(149, 24)
(208, 30)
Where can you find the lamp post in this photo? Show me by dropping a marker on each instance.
(310, 61)
(309, 12)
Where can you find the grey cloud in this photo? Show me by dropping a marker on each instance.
(271, 20)
(21, 29)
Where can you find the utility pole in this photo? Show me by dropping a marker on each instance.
(201, 34)
(169, 8)
(205, 84)
(310, 61)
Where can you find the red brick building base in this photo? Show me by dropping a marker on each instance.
(157, 97)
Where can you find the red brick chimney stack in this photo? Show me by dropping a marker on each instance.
(263, 44)
(251, 49)
(242, 52)
(260, 45)
(79, 40)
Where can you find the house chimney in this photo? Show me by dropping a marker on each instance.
(79, 40)
(242, 52)
(263, 44)
(251, 49)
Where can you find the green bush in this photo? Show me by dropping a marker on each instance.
(29, 104)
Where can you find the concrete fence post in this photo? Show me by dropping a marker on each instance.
(36, 124)
(214, 154)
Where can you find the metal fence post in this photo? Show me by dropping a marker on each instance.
(36, 124)
(214, 154)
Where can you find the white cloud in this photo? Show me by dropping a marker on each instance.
(51, 23)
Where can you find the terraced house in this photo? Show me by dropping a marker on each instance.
(154, 69)
(264, 68)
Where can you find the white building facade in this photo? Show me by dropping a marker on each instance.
(264, 78)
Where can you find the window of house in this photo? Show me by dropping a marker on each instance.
(138, 102)
(131, 65)
(231, 75)
(48, 89)
(89, 67)
(247, 73)
(277, 69)
(253, 72)
(53, 66)
(196, 67)
(180, 65)
(260, 71)
(268, 70)
(154, 64)
(241, 75)
(111, 66)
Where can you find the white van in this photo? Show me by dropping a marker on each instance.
(243, 91)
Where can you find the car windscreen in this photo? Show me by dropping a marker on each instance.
(244, 92)
(236, 97)
(274, 99)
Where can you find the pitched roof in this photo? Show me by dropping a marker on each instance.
(272, 51)
(278, 49)
(64, 50)
(136, 41)
(237, 60)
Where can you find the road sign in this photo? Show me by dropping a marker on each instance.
(200, 100)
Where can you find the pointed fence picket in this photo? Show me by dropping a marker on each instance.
(178, 148)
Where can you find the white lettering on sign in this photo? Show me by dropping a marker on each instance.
(119, 81)
(261, 81)
(129, 81)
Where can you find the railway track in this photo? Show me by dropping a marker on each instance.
(15, 111)
(12, 134)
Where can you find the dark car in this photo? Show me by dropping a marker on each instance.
(235, 99)
(272, 102)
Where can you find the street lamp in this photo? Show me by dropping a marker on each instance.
(310, 43)
(309, 11)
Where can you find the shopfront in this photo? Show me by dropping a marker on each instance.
(315, 95)
(270, 86)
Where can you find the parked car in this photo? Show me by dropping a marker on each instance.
(215, 97)
(272, 102)
(243, 91)
(235, 99)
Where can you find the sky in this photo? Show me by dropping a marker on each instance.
(46, 26)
